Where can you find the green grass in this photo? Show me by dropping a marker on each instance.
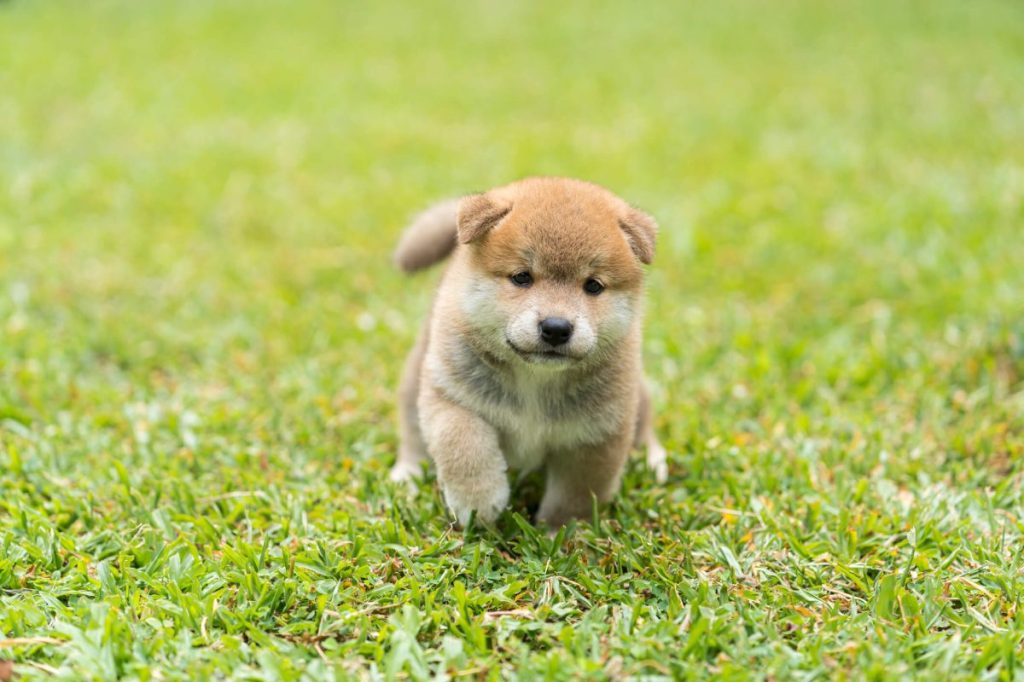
(200, 335)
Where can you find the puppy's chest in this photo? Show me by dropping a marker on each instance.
(526, 441)
(540, 422)
(536, 415)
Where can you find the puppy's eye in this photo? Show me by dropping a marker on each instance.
(522, 279)
(593, 287)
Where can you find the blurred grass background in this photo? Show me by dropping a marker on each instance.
(197, 205)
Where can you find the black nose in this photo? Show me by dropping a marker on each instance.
(555, 330)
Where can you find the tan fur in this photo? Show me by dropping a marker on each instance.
(483, 392)
(429, 238)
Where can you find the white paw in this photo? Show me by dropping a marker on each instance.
(404, 472)
(657, 461)
(487, 499)
(408, 473)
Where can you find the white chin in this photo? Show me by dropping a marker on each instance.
(542, 358)
(548, 358)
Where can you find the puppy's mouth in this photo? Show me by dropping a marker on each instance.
(545, 355)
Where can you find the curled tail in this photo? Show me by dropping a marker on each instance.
(430, 237)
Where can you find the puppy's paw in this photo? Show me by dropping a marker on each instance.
(657, 461)
(404, 472)
(407, 473)
(485, 497)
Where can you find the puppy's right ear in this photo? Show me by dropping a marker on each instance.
(478, 215)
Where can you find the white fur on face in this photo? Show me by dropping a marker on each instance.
(622, 311)
(523, 329)
(479, 303)
(516, 322)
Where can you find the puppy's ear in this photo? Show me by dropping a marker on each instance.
(478, 214)
(641, 231)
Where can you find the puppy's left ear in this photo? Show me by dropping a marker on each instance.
(478, 215)
(641, 231)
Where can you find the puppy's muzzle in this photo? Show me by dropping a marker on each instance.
(555, 330)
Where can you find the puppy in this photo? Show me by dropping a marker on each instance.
(531, 355)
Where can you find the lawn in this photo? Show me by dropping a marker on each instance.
(201, 334)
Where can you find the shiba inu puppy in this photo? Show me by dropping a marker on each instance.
(531, 355)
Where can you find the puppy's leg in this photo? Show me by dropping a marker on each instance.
(657, 458)
(574, 477)
(470, 466)
(412, 449)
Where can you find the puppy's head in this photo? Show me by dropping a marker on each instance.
(555, 270)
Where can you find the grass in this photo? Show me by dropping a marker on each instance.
(200, 336)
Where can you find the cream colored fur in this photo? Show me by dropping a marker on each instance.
(483, 393)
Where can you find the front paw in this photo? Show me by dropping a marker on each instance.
(657, 461)
(486, 497)
(405, 471)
